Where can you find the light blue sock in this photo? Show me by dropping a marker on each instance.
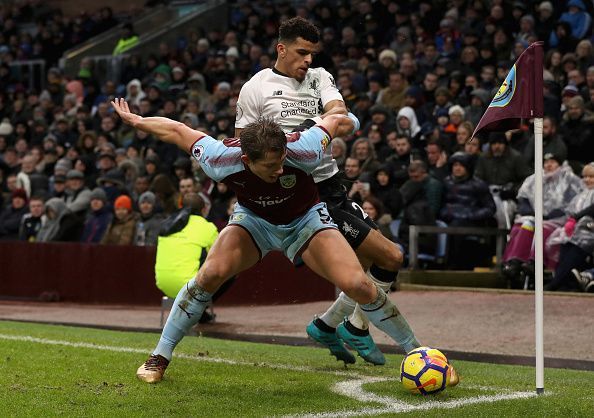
(386, 316)
(186, 311)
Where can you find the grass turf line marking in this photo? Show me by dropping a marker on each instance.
(27, 338)
(352, 388)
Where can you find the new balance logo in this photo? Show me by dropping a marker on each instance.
(277, 93)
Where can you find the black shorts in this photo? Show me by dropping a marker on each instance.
(352, 221)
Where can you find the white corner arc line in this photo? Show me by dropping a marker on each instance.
(354, 389)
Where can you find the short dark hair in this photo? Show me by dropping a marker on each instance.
(417, 165)
(194, 202)
(262, 136)
(37, 197)
(437, 143)
(298, 27)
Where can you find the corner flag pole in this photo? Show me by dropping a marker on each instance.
(538, 249)
(506, 111)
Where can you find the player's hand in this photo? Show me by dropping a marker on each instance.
(122, 109)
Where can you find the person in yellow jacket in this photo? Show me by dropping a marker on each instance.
(184, 240)
(127, 40)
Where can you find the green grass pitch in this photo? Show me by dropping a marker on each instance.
(50, 371)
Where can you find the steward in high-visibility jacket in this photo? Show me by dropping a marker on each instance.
(127, 41)
(184, 240)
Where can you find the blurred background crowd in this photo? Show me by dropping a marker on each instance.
(418, 75)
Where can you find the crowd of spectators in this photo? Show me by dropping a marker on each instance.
(418, 75)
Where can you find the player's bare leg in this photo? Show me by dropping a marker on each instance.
(330, 256)
(385, 259)
(232, 253)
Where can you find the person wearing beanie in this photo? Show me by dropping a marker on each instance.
(456, 114)
(504, 169)
(467, 202)
(99, 219)
(10, 217)
(123, 225)
(77, 194)
(149, 222)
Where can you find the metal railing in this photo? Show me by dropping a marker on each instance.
(415, 230)
(108, 67)
(30, 72)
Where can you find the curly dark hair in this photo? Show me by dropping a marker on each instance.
(298, 27)
(262, 136)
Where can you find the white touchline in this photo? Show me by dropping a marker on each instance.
(27, 338)
(351, 388)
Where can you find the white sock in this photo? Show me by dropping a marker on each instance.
(342, 307)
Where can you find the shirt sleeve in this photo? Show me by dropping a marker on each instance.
(305, 149)
(328, 88)
(216, 159)
(248, 104)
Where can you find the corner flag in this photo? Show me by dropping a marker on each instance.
(519, 97)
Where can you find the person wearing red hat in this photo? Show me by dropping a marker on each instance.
(122, 228)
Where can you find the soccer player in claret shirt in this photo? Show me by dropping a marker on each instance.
(297, 97)
(278, 209)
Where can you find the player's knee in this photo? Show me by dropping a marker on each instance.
(362, 290)
(211, 275)
(397, 257)
(391, 257)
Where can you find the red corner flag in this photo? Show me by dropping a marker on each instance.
(519, 97)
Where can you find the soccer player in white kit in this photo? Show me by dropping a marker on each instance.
(297, 97)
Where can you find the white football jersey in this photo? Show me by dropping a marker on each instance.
(289, 102)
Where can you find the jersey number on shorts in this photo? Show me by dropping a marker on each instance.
(360, 209)
(324, 216)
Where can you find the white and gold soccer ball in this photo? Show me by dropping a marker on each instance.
(424, 371)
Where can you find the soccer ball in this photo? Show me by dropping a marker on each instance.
(424, 370)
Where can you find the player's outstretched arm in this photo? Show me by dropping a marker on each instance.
(337, 123)
(165, 129)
